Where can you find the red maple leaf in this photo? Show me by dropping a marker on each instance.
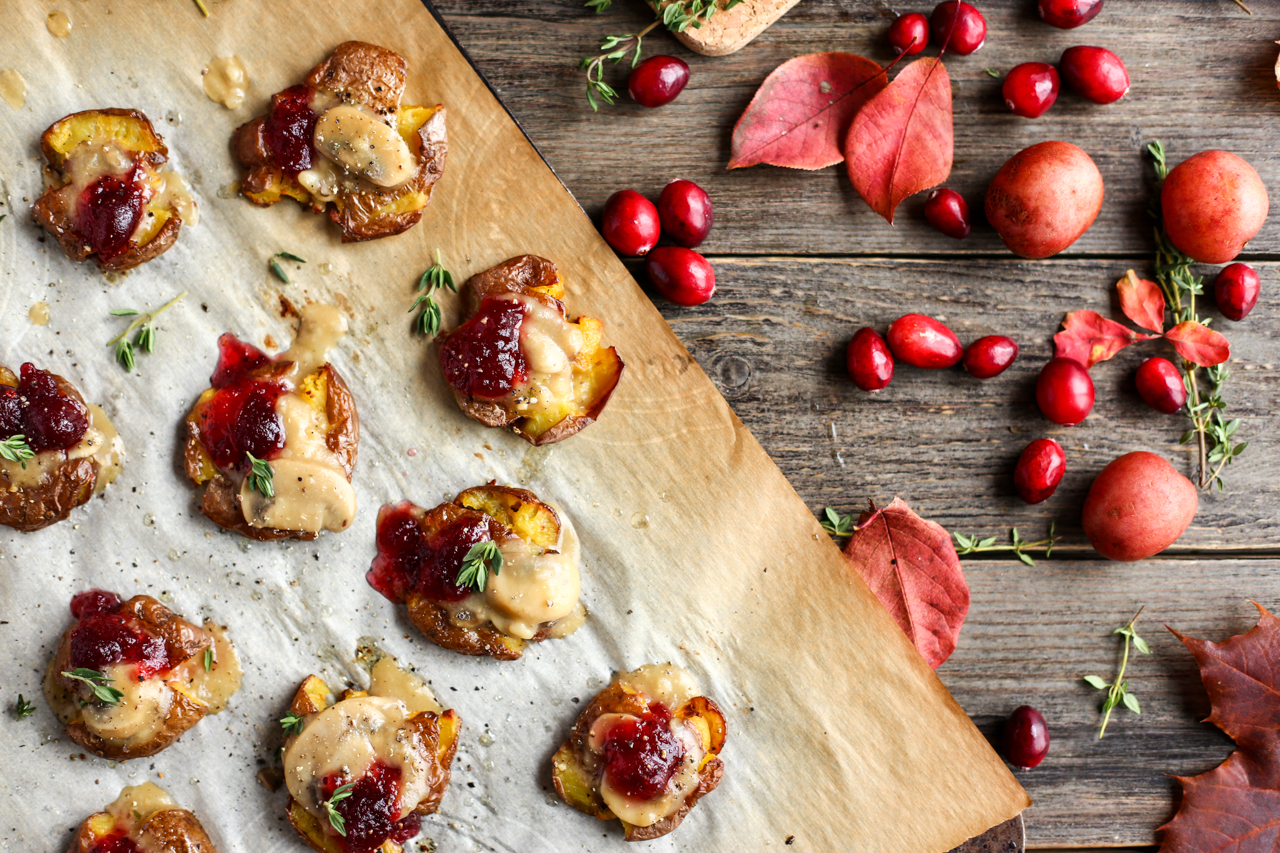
(912, 567)
(802, 111)
(1088, 338)
(902, 141)
(1235, 808)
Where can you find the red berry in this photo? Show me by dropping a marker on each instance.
(1069, 14)
(948, 212)
(1094, 73)
(656, 81)
(1026, 738)
(290, 128)
(681, 275)
(909, 34)
(968, 33)
(108, 214)
(1236, 291)
(630, 223)
(922, 341)
(869, 361)
(989, 356)
(1064, 391)
(1030, 89)
(685, 212)
(1160, 385)
(1040, 469)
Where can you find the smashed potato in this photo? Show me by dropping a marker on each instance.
(362, 771)
(146, 816)
(519, 362)
(109, 195)
(485, 574)
(644, 751)
(342, 141)
(129, 678)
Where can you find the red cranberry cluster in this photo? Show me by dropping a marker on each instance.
(632, 225)
(959, 26)
(922, 341)
(38, 411)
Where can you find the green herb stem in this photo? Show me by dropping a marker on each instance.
(1016, 544)
(146, 334)
(1118, 690)
(16, 449)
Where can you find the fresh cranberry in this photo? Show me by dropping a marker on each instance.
(108, 213)
(39, 411)
(482, 357)
(105, 639)
(948, 212)
(869, 361)
(909, 34)
(371, 810)
(642, 754)
(1064, 391)
(91, 602)
(1094, 73)
(236, 360)
(922, 341)
(1236, 290)
(1069, 14)
(290, 130)
(408, 561)
(959, 26)
(1039, 470)
(1026, 738)
(658, 80)
(1030, 89)
(681, 275)
(630, 224)
(116, 842)
(1160, 385)
(241, 419)
(685, 212)
(990, 356)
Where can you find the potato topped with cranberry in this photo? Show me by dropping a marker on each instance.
(56, 451)
(143, 819)
(131, 676)
(644, 751)
(109, 195)
(274, 441)
(519, 362)
(485, 574)
(342, 141)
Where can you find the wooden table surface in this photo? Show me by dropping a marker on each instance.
(801, 263)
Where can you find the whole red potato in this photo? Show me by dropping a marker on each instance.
(1213, 203)
(1138, 506)
(1044, 198)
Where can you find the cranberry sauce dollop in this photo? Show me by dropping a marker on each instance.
(105, 637)
(482, 357)
(290, 129)
(116, 842)
(642, 754)
(39, 411)
(241, 417)
(108, 213)
(369, 813)
(409, 561)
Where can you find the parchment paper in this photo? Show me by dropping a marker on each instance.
(696, 548)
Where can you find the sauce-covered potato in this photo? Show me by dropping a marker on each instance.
(143, 819)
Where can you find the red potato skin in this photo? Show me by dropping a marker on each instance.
(1044, 198)
(1138, 506)
(1212, 204)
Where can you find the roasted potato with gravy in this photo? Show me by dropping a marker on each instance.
(147, 817)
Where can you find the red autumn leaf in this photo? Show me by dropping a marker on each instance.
(1236, 806)
(1088, 337)
(902, 141)
(801, 113)
(1141, 301)
(1199, 344)
(912, 567)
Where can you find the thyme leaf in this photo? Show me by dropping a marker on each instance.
(99, 683)
(145, 336)
(1118, 690)
(208, 659)
(15, 449)
(837, 524)
(23, 708)
(435, 278)
(261, 476)
(291, 723)
(481, 558)
(1018, 545)
(339, 794)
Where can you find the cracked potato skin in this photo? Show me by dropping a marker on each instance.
(166, 831)
(373, 77)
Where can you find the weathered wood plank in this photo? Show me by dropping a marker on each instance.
(1032, 633)
(1201, 78)
(773, 340)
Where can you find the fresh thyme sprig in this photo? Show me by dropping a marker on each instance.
(15, 449)
(274, 264)
(482, 558)
(340, 794)
(261, 475)
(435, 278)
(99, 683)
(1016, 544)
(291, 723)
(146, 334)
(23, 708)
(1210, 429)
(1118, 690)
(837, 524)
